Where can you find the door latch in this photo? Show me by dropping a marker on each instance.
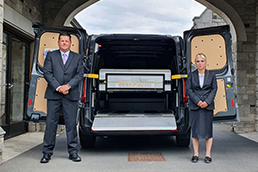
(9, 85)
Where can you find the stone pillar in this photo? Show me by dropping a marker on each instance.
(256, 64)
(2, 133)
(1, 40)
(246, 68)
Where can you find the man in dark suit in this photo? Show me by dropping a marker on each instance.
(63, 70)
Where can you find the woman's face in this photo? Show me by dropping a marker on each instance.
(200, 63)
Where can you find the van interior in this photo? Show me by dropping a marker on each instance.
(135, 52)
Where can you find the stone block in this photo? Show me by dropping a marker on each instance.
(256, 127)
(250, 75)
(253, 109)
(241, 90)
(252, 70)
(239, 46)
(252, 55)
(242, 81)
(239, 65)
(242, 73)
(244, 127)
(32, 127)
(243, 57)
(252, 81)
(249, 48)
(249, 126)
(243, 109)
(42, 127)
(245, 97)
(247, 117)
(251, 2)
(256, 57)
(248, 65)
(250, 91)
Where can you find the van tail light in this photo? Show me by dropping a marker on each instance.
(29, 103)
(184, 92)
(84, 91)
(233, 103)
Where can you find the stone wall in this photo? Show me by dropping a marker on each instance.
(1, 36)
(246, 67)
(256, 65)
(247, 56)
(31, 9)
(207, 19)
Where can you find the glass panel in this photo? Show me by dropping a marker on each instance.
(17, 80)
(3, 78)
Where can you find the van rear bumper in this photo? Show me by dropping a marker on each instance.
(86, 130)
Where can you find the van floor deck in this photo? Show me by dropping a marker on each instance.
(133, 121)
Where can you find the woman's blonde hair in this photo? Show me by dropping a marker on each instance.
(201, 55)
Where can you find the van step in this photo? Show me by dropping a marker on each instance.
(134, 122)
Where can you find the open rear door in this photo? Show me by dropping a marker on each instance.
(45, 41)
(215, 43)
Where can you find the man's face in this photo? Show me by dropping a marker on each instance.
(64, 43)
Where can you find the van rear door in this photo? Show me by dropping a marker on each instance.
(215, 43)
(45, 41)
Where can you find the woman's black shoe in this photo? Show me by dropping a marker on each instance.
(207, 160)
(195, 159)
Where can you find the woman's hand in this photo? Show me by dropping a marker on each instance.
(199, 103)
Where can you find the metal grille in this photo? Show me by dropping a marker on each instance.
(145, 157)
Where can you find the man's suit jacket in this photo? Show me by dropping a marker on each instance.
(195, 93)
(57, 74)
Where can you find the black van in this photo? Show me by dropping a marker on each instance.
(134, 84)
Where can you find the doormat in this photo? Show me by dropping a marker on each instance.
(145, 157)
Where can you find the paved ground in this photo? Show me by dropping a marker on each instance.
(231, 152)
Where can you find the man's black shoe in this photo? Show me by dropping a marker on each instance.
(75, 158)
(45, 159)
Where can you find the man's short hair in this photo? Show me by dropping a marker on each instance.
(64, 34)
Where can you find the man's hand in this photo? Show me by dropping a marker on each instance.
(64, 89)
(202, 104)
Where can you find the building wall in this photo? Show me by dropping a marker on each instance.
(246, 67)
(207, 19)
(245, 55)
(30, 9)
(1, 36)
(255, 109)
(23, 12)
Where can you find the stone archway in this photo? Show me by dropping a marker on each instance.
(229, 14)
(59, 13)
(244, 37)
(221, 7)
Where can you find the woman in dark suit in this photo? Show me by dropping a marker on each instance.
(201, 90)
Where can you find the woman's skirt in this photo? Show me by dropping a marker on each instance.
(201, 123)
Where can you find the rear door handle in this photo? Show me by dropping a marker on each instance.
(9, 85)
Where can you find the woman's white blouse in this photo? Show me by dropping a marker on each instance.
(201, 80)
